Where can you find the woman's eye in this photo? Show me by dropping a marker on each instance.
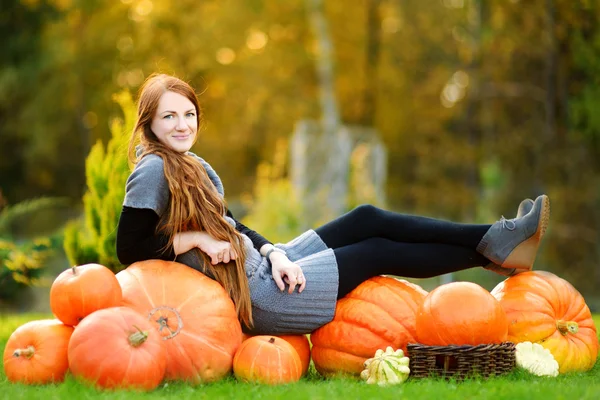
(167, 116)
(191, 114)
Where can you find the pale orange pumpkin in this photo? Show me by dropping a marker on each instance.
(267, 359)
(117, 348)
(36, 352)
(380, 312)
(546, 309)
(194, 315)
(461, 313)
(300, 343)
(81, 290)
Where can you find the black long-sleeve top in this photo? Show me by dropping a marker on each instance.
(137, 239)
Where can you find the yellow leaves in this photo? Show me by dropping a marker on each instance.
(21, 260)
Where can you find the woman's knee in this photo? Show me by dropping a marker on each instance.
(366, 212)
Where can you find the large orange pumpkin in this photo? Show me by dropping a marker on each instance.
(543, 308)
(380, 312)
(117, 348)
(267, 359)
(193, 314)
(300, 343)
(36, 352)
(461, 313)
(79, 291)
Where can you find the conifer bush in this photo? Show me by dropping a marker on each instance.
(92, 239)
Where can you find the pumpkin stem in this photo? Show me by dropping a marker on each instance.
(565, 327)
(28, 352)
(272, 340)
(74, 269)
(138, 338)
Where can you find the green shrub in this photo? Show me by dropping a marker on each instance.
(22, 260)
(93, 238)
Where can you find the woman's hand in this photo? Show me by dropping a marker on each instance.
(219, 251)
(285, 270)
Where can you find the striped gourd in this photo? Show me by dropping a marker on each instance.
(388, 367)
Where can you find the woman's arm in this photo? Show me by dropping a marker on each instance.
(257, 239)
(137, 239)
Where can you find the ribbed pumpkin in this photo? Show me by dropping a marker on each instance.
(267, 359)
(193, 314)
(117, 348)
(380, 312)
(36, 352)
(546, 309)
(79, 291)
(300, 343)
(461, 313)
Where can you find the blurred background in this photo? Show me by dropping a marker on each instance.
(456, 109)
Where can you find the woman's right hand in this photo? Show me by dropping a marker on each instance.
(219, 251)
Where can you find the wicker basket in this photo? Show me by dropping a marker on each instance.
(461, 361)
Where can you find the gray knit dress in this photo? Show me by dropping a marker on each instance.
(274, 312)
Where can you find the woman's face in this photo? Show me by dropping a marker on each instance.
(175, 123)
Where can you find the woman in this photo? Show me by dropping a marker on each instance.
(174, 209)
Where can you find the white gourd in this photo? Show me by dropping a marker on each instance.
(536, 359)
(387, 367)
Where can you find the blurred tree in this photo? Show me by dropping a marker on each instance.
(20, 64)
(480, 104)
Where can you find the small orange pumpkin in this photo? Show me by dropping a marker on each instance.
(117, 348)
(546, 309)
(79, 291)
(461, 313)
(378, 313)
(267, 359)
(36, 352)
(300, 344)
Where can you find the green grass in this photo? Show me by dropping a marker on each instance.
(517, 385)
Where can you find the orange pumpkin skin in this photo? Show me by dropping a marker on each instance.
(546, 309)
(109, 350)
(193, 314)
(300, 343)
(380, 312)
(79, 291)
(267, 359)
(36, 352)
(461, 313)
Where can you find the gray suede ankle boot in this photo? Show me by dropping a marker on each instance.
(524, 207)
(514, 243)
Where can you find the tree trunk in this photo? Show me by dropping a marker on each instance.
(372, 51)
(324, 63)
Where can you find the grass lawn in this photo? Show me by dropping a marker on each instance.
(517, 385)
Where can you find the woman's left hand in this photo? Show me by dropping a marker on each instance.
(285, 270)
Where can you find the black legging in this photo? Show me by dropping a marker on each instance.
(369, 241)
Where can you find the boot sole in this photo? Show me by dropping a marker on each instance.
(523, 256)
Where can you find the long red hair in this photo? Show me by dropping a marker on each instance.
(195, 204)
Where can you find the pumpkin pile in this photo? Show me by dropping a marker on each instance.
(160, 320)
(537, 307)
(154, 320)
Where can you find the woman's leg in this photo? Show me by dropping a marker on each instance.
(367, 221)
(379, 256)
